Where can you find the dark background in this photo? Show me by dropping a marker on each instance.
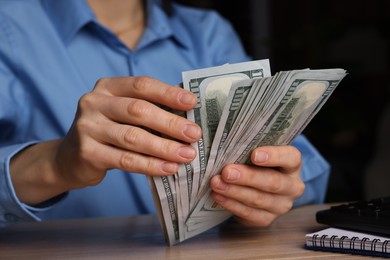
(347, 34)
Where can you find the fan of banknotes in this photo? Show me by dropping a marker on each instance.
(240, 107)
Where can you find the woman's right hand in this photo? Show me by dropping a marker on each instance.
(111, 129)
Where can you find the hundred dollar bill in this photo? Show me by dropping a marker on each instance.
(168, 195)
(212, 86)
(303, 94)
(238, 111)
(215, 82)
(233, 111)
(164, 192)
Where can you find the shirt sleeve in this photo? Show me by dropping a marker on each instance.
(315, 173)
(11, 209)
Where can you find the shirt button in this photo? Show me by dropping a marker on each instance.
(11, 217)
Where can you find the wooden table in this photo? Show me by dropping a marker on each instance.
(141, 238)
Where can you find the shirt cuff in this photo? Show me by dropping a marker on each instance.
(315, 173)
(11, 209)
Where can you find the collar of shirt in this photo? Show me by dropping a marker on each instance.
(71, 16)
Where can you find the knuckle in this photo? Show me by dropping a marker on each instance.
(126, 161)
(143, 82)
(86, 152)
(82, 125)
(130, 136)
(288, 206)
(150, 166)
(275, 183)
(138, 108)
(284, 207)
(300, 189)
(101, 83)
(173, 122)
(246, 212)
(167, 147)
(295, 156)
(298, 155)
(86, 101)
(258, 201)
(289, 156)
(172, 92)
(136, 163)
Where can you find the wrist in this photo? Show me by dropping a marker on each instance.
(34, 173)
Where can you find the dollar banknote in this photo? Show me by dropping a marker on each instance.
(240, 107)
(300, 95)
(212, 85)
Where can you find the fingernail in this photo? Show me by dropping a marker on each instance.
(260, 157)
(219, 198)
(187, 99)
(169, 167)
(192, 131)
(186, 152)
(221, 185)
(233, 174)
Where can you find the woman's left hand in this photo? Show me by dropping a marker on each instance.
(258, 194)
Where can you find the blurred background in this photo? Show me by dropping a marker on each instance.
(353, 35)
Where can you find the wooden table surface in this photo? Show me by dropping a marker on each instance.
(141, 237)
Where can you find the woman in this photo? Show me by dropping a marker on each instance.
(67, 148)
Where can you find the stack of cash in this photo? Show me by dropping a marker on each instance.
(240, 107)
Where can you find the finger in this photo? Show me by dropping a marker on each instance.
(108, 157)
(246, 215)
(138, 140)
(142, 113)
(251, 197)
(148, 89)
(264, 179)
(287, 157)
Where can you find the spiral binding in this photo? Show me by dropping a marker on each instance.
(353, 243)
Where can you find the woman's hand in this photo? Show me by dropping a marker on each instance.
(117, 125)
(257, 195)
(111, 130)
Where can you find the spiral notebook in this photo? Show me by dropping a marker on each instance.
(351, 242)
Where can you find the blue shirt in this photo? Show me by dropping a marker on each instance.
(53, 51)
